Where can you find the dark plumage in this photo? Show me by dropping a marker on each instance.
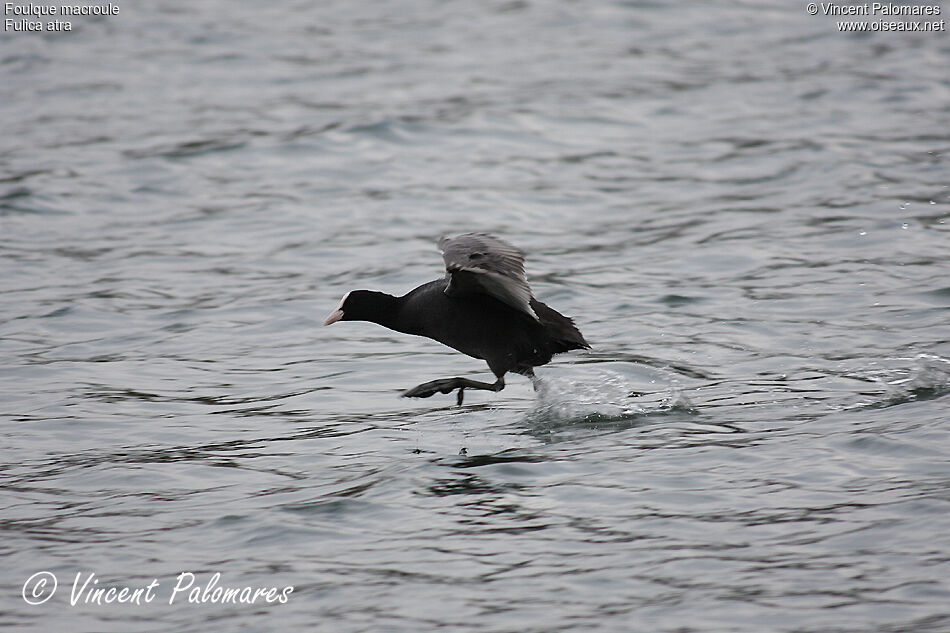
(483, 308)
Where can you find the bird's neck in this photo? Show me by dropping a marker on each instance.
(386, 309)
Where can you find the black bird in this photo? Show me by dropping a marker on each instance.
(483, 307)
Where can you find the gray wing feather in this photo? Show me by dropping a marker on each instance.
(482, 263)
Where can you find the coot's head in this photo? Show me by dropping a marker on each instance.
(359, 305)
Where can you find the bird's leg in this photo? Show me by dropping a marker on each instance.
(534, 379)
(447, 385)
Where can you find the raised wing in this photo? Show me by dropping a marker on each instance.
(482, 263)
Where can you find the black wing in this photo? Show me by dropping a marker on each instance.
(482, 263)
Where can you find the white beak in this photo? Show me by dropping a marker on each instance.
(334, 316)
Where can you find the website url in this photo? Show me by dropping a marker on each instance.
(887, 25)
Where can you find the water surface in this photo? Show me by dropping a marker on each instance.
(745, 210)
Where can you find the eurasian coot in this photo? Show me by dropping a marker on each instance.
(483, 307)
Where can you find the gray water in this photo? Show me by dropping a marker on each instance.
(746, 211)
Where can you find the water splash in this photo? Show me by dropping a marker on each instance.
(927, 378)
(610, 399)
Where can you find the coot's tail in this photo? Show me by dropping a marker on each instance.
(562, 332)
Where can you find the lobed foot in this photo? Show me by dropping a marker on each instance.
(426, 389)
(447, 385)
